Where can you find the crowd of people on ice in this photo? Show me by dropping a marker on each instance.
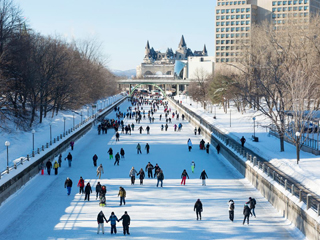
(137, 113)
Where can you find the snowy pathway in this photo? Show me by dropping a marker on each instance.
(42, 209)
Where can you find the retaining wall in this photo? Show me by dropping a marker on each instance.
(282, 200)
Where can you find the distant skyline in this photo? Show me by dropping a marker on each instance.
(124, 26)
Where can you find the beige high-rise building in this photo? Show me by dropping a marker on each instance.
(235, 18)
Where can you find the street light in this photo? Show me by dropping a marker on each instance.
(81, 117)
(73, 120)
(88, 111)
(64, 126)
(33, 132)
(7, 144)
(215, 111)
(101, 103)
(254, 126)
(50, 135)
(298, 147)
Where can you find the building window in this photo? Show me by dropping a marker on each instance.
(217, 48)
(289, 2)
(222, 29)
(218, 11)
(222, 54)
(217, 29)
(274, 3)
(222, 23)
(228, 11)
(223, 41)
(238, 17)
(223, 11)
(232, 35)
(247, 22)
(227, 29)
(242, 29)
(232, 16)
(222, 17)
(232, 10)
(218, 35)
(279, 3)
(217, 23)
(227, 23)
(218, 17)
(242, 16)
(218, 42)
(238, 22)
(232, 29)
(238, 10)
(247, 28)
(305, 7)
(248, 16)
(247, 9)
(217, 59)
(228, 17)
(237, 29)
(227, 35)
(273, 9)
(217, 54)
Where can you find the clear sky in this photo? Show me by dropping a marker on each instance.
(124, 26)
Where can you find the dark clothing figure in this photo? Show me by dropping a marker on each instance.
(149, 168)
(122, 153)
(141, 175)
(242, 140)
(100, 221)
(198, 208)
(160, 177)
(156, 170)
(147, 148)
(231, 209)
(69, 157)
(208, 147)
(246, 213)
(218, 148)
(81, 185)
(98, 190)
(117, 157)
(95, 158)
(138, 148)
(68, 185)
(148, 129)
(252, 205)
(125, 223)
(60, 160)
(203, 176)
(87, 191)
(117, 136)
(199, 130)
(49, 166)
(184, 176)
(71, 144)
(110, 151)
(113, 220)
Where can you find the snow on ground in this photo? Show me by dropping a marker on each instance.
(308, 170)
(42, 209)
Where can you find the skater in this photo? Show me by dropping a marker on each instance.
(147, 147)
(49, 166)
(246, 213)
(252, 205)
(113, 219)
(122, 153)
(125, 223)
(195, 131)
(189, 144)
(193, 165)
(99, 171)
(100, 221)
(117, 157)
(203, 176)
(199, 131)
(71, 145)
(87, 191)
(81, 185)
(68, 185)
(69, 157)
(166, 127)
(198, 208)
(132, 126)
(110, 151)
(60, 160)
(117, 136)
(132, 175)
(98, 190)
(149, 168)
(184, 176)
(95, 158)
(141, 129)
(141, 175)
(202, 142)
(160, 177)
(102, 197)
(207, 147)
(242, 140)
(55, 167)
(156, 169)
(138, 148)
(218, 148)
(122, 193)
(148, 129)
(161, 127)
(231, 210)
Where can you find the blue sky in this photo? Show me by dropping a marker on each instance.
(124, 26)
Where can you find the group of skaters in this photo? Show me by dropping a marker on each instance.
(113, 221)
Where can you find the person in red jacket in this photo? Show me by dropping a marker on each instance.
(81, 185)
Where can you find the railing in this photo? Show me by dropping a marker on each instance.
(22, 160)
(311, 199)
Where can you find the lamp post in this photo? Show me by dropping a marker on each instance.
(81, 116)
(50, 134)
(33, 132)
(73, 121)
(254, 126)
(101, 103)
(298, 147)
(7, 144)
(215, 111)
(88, 111)
(64, 126)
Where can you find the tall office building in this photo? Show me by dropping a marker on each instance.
(234, 21)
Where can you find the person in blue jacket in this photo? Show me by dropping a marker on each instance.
(113, 219)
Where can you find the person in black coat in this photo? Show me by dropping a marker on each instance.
(198, 208)
(125, 223)
(141, 175)
(95, 158)
(149, 168)
(246, 213)
(122, 153)
(147, 148)
(100, 221)
(87, 191)
(117, 136)
(203, 176)
(242, 140)
(68, 185)
(49, 166)
(208, 147)
(218, 148)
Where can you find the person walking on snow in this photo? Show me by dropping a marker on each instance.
(132, 175)
(199, 131)
(138, 148)
(98, 190)
(231, 209)
(81, 185)
(160, 177)
(95, 158)
(242, 140)
(117, 157)
(110, 151)
(71, 145)
(125, 223)
(87, 191)
(60, 160)
(117, 136)
(99, 171)
(193, 165)
(195, 131)
(203, 176)
(141, 175)
(69, 157)
(122, 193)
(246, 213)
(147, 147)
(208, 147)
(252, 205)
(184, 176)
(49, 166)
(122, 153)
(218, 148)
(149, 168)
(55, 167)
(68, 185)
(141, 129)
(189, 144)
(113, 220)
(100, 221)
(148, 129)
(156, 169)
(198, 208)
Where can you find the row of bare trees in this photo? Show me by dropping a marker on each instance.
(278, 75)
(41, 75)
